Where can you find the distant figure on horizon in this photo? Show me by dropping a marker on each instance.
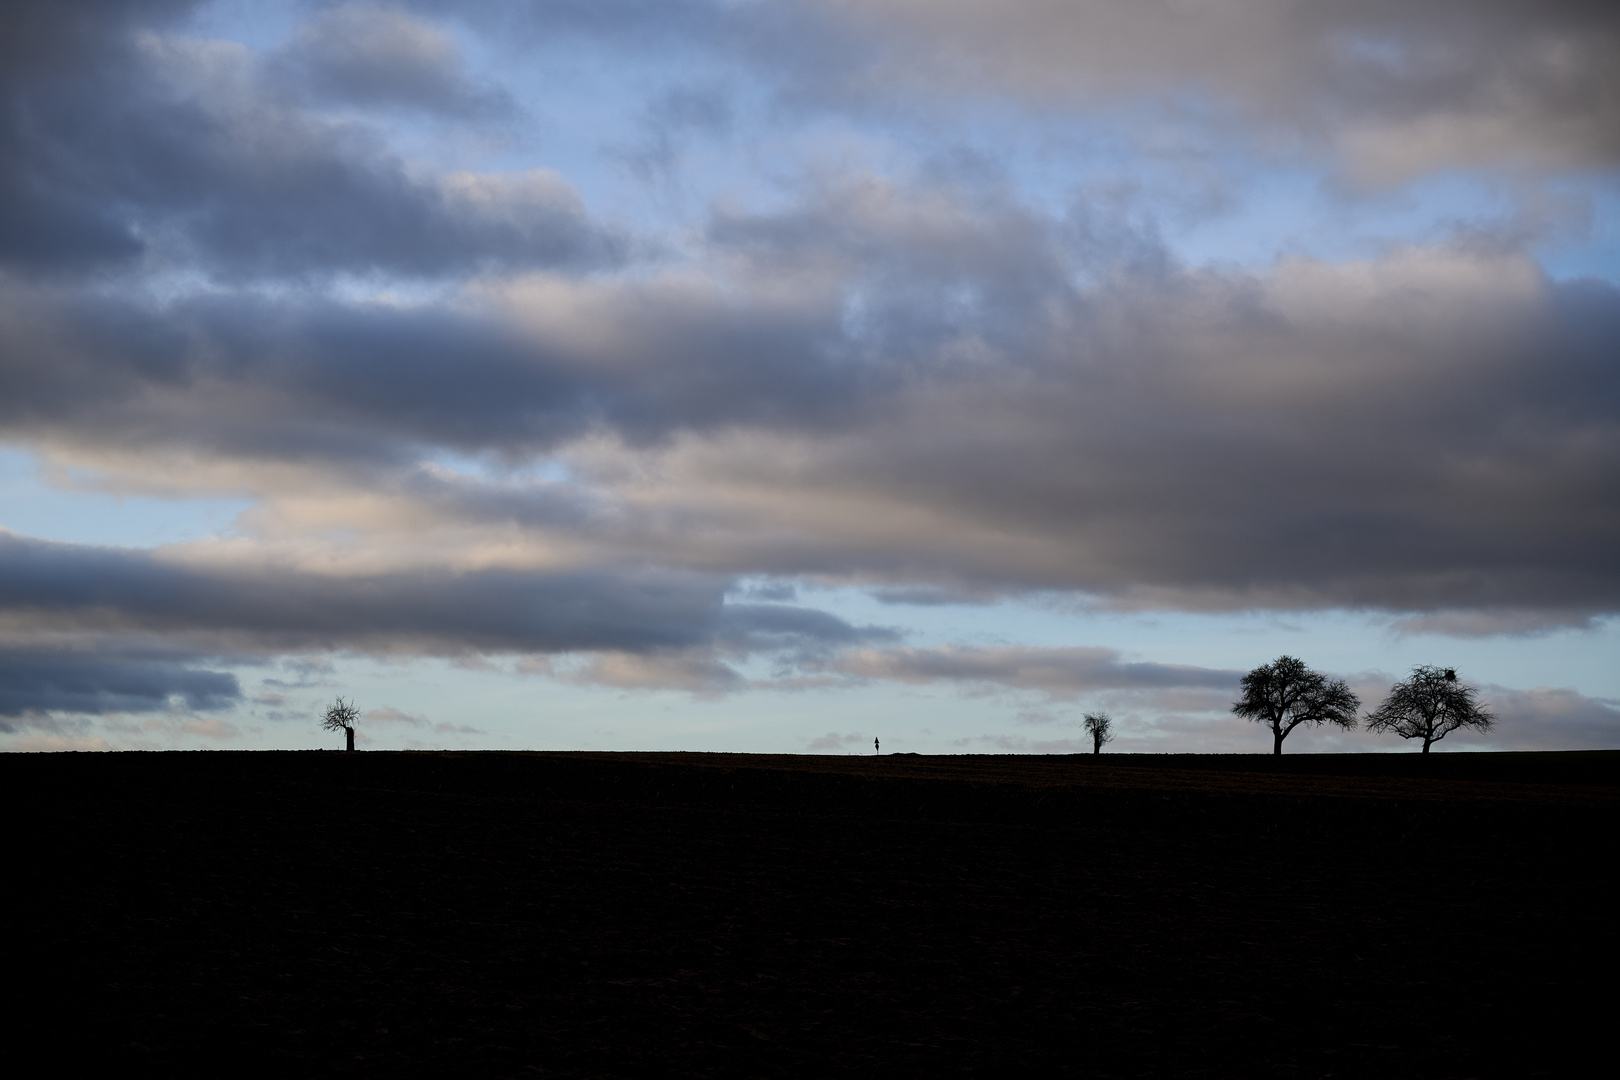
(875, 748)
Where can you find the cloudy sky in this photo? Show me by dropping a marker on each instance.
(771, 375)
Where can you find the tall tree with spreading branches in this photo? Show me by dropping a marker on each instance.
(1285, 694)
(342, 716)
(1429, 705)
(1100, 726)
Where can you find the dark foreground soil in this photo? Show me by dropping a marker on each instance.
(378, 914)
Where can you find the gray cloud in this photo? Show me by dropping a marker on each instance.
(657, 628)
(1392, 90)
(128, 145)
(1549, 718)
(769, 591)
(749, 625)
(696, 671)
(834, 741)
(322, 376)
(46, 218)
(670, 119)
(170, 149)
(930, 596)
(372, 55)
(1058, 672)
(1488, 623)
(309, 377)
(38, 679)
(907, 387)
(1395, 89)
(1429, 430)
(74, 587)
(389, 715)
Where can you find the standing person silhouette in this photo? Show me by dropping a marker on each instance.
(875, 748)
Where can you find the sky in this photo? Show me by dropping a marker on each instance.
(777, 375)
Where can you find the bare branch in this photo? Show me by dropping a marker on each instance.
(1429, 705)
(1100, 726)
(340, 716)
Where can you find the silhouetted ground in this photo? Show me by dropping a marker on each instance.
(377, 914)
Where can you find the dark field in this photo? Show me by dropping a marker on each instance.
(373, 914)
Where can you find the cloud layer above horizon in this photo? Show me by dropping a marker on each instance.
(580, 338)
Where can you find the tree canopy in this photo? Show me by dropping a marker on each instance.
(1430, 704)
(1100, 726)
(342, 716)
(1285, 694)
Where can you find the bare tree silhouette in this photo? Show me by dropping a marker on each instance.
(1430, 705)
(1285, 694)
(342, 716)
(1100, 726)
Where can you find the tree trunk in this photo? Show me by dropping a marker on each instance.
(1276, 747)
(349, 731)
(1426, 742)
(1096, 746)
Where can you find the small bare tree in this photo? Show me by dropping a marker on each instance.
(1285, 694)
(1430, 705)
(342, 716)
(1100, 726)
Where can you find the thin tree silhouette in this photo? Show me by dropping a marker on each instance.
(1100, 726)
(342, 716)
(1285, 694)
(1429, 705)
